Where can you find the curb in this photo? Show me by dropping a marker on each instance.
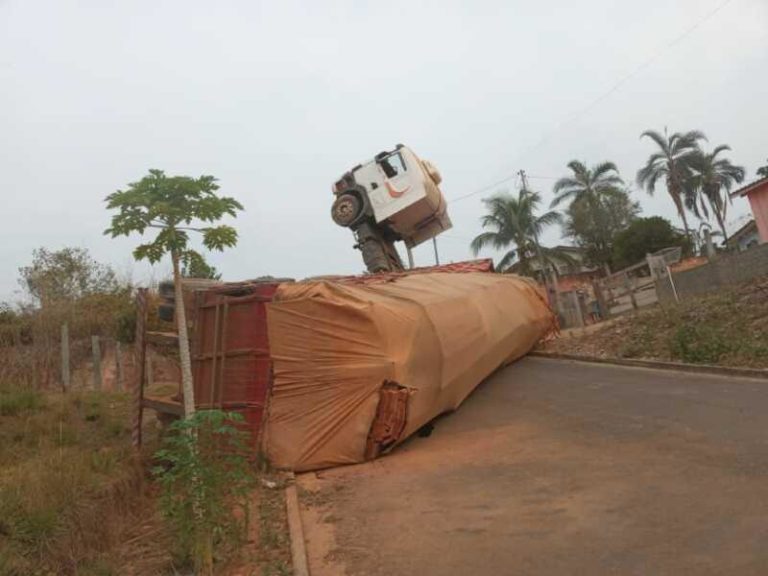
(295, 529)
(658, 364)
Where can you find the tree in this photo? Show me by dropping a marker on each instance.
(171, 205)
(594, 229)
(712, 179)
(195, 266)
(65, 275)
(512, 221)
(673, 164)
(646, 236)
(589, 191)
(762, 172)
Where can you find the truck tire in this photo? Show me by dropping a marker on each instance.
(346, 209)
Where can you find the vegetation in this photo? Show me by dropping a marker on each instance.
(66, 275)
(595, 230)
(513, 221)
(171, 205)
(72, 495)
(598, 208)
(727, 328)
(645, 236)
(673, 163)
(206, 481)
(195, 266)
(712, 180)
(64, 287)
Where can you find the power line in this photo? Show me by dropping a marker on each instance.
(615, 87)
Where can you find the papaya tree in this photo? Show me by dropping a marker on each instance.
(175, 207)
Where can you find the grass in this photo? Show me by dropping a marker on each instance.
(15, 402)
(72, 490)
(729, 328)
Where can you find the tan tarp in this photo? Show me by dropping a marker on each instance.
(334, 345)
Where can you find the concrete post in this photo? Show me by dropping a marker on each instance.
(96, 362)
(65, 372)
(120, 370)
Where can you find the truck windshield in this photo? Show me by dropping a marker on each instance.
(392, 165)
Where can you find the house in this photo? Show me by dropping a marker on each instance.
(744, 237)
(757, 194)
(569, 271)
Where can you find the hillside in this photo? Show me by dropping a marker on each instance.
(729, 328)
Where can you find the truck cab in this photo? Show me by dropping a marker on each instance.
(394, 197)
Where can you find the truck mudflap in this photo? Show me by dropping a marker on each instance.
(390, 420)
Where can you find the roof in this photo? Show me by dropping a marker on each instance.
(744, 190)
(749, 228)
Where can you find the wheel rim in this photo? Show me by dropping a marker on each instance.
(345, 210)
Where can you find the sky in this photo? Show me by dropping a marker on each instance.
(278, 99)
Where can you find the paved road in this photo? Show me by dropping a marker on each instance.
(559, 468)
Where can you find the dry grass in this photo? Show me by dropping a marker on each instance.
(73, 496)
(729, 328)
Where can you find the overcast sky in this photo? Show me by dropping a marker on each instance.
(277, 99)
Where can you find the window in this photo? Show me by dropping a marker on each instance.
(392, 165)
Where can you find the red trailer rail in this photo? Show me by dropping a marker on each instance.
(231, 366)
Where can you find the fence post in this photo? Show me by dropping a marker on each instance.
(120, 374)
(149, 379)
(602, 305)
(96, 362)
(630, 288)
(140, 365)
(65, 374)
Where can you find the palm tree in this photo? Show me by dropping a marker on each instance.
(591, 188)
(713, 178)
(512, 221)
(673, 163)
(587, 185)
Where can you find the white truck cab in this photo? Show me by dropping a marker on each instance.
(393, 197)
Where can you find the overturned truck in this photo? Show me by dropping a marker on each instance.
(338, 371)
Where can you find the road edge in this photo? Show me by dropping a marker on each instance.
(657, 364)
(296, 529)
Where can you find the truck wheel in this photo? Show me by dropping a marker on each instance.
(346, 209)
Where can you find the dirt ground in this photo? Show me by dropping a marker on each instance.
(555, 467)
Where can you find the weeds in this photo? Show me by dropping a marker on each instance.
(15, 402)
(729, 328)
(699, 344)
(205, 475)
(70, 487)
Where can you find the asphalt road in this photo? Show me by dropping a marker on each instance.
(555, 468)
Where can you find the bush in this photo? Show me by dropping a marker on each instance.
(205, 476)
(646, 236)
(699, 344)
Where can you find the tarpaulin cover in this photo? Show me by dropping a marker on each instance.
(335, 345)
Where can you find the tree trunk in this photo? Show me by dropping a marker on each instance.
(721, 222)
(187, 387)
(720, 209)
(681, 210)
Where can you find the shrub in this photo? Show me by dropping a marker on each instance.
(699, 344)
(205, 476)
